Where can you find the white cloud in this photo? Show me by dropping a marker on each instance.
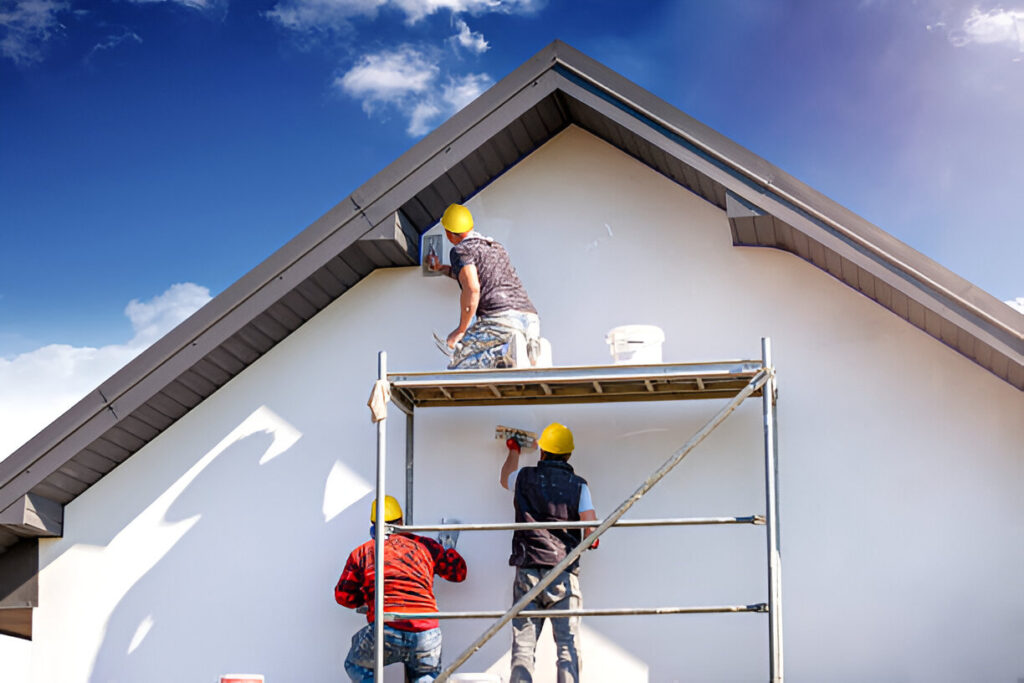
(113, 41)
(471, 40)
(421, 117)
(309, 16)
(37, 386)
(390, 77)
(321, 15)
(461, 90)
(408, 80)
(201, 5)
(1017, 303)
(26, 26)
(417, 9)
(994, 26)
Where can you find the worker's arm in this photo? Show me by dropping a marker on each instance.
(588, 516)
(448, 564)
(511, 463)
(348, 592)
(468, 301)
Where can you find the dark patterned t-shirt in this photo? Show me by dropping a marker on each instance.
(500, 288)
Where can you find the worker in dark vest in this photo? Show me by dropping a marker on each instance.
(491, 292)
(410, 562)
(549, 492)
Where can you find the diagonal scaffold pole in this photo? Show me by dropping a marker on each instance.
(756, 382)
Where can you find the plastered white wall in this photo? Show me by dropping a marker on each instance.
(217, 546)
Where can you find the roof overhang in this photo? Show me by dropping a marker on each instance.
(380, 224)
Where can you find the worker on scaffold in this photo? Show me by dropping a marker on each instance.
(491, 291)
(410, 562)
(549, 492)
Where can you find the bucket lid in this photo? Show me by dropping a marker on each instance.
(637, 334)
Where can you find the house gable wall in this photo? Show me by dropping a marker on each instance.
(216, 547)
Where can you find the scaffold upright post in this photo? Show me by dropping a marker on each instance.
(378, 546)
(410, 476)
(771, 444)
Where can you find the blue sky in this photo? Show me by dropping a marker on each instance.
(152, 152)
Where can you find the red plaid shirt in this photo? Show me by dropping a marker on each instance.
(410, 563)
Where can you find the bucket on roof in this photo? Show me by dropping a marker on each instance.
(635, 343)
(242, 678)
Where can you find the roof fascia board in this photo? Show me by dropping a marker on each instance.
(437, 141)
(50, 436)
(187, 343)
(210, 314)
(31, 466)
(41, 463)
(458, 148)
(177, 340)
(776, 181)
(993, 327)
(902, 281)
(757, 196)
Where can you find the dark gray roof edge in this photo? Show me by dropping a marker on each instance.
(249, 285)
(348, 214)
(974, 301)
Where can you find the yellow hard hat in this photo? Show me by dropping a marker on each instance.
(457, 218)
(392, 510)
(556, 438)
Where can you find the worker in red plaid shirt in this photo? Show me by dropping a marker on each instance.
(410, 562)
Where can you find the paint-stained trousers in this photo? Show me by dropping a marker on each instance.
(562, 593)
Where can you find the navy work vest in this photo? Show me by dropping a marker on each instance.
(549, 492)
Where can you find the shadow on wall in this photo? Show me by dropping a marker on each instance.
(236, 592)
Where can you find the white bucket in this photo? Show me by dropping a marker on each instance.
(636, 343)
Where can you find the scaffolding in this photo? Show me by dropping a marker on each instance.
(732, 380)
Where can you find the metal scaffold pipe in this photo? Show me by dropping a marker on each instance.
(771, 499)
(504, 526)
(379, 534)
(606, 612)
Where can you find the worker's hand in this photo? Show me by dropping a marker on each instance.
(433, 263)
(455, 337)
(593, 546)
(513, 444)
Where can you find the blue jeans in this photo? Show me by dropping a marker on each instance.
(420, 651)
(562, 593)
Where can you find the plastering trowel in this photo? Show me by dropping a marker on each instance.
(525, 438)
(442, 345)
(448, 537)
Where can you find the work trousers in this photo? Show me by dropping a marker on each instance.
(562, 593)
(487, 343)
(420, 651)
